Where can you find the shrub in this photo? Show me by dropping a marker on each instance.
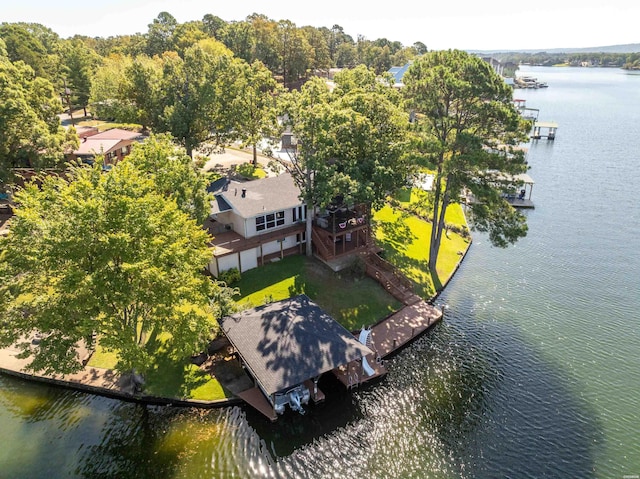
(230, 276)
(358, 268)
(246, 170)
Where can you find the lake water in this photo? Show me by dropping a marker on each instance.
(535, 371)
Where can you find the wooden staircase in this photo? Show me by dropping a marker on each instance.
(322, 244)
(390, 277)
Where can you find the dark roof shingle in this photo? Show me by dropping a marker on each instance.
(287, 342)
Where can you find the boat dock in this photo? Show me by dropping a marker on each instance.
(544, 129)
(387, 337)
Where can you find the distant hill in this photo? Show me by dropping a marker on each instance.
(627, 48)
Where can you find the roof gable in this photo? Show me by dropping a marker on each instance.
(96, 147)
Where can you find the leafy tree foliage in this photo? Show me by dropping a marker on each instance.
(79, 63)
(371, 146)
(109, 97)
(351, 142)
(295, 52)
(254, 106)
(308, 115)
(160, 34)
(468, 126)
(239, 37)
(30, 131)
(197, 92)
(106, 255)
(35, 45)
(211, 25)
(174, 174)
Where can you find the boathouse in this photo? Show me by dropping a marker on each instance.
(285, 347)
(544, 129)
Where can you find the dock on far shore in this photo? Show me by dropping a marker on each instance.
(544, 129)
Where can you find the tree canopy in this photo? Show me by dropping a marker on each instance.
(30, 130)
(107, 255)
(351, 142)
(467, 128)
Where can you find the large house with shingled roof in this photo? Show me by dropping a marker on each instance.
(258, 221)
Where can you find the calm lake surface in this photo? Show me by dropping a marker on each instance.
(534, 373)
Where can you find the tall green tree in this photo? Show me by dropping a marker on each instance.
(308, 115)
(239, 37)
(141, 89)
(198, 92)
(295, 53)
(350, 143)
(35, 45)
(255, 105)
(211, 25)
(370, 147)
(468, 126)
(109, 97)
(104, 255)
(321, 59)
(174, 174)
(78, 66)
(266, 42)
(160, 34)
(30, 130)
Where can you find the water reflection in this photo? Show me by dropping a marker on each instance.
(469, 399)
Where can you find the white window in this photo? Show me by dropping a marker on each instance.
(269, 221)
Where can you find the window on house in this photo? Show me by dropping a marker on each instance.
(299, 213)
(269, 221)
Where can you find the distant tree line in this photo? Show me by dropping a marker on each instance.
(628, 61)
(289, 51)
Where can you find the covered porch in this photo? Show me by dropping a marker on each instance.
(341, 231)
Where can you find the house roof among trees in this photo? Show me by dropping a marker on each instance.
(106, 141)
(252, 198)
(287, 342)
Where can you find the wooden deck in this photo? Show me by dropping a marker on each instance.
(231, 242)
(387, 337)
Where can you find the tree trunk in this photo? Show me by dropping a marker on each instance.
(438, 228)
(309, 229)
(433, 243)
(255, 155)
(310, 211)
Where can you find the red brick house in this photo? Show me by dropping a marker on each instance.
(114, 144)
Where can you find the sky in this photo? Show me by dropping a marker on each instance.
(462, 24)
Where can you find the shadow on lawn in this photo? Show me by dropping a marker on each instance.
(396, 238)
(397, 235)
(173, 377)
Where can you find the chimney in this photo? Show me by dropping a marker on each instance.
(244, 192)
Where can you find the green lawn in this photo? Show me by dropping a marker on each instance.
(169, 377)
(352, 300)
(405, 239)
